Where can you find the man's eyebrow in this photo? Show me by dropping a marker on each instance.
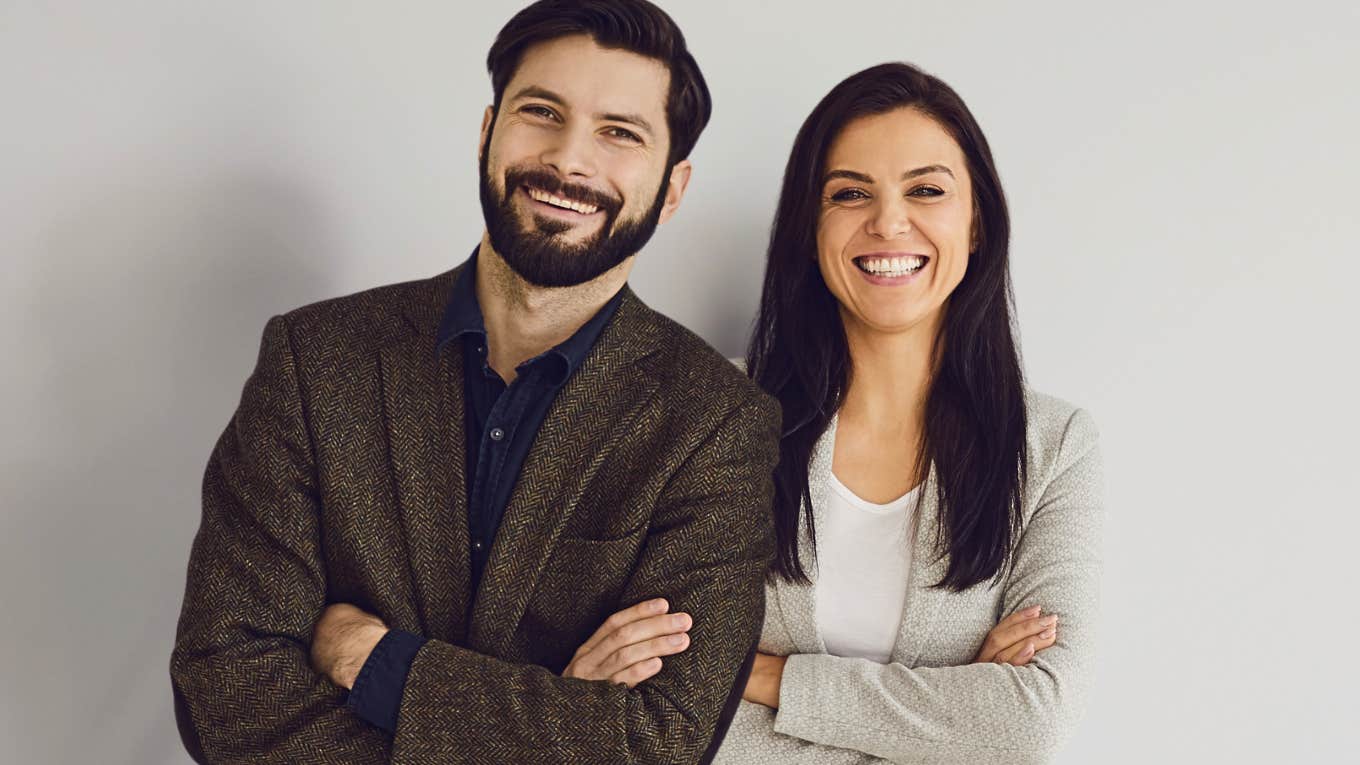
(637, 120)
(862, 178)
(534, 91)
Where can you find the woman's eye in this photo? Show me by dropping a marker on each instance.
(848, 195)
(925, 191)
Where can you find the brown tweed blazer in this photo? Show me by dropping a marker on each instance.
(341, 479)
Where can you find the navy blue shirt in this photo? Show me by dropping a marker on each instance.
(500, 423)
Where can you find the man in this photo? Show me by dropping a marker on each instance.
(433, 493)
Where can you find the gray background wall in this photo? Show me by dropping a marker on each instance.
(1182, 178)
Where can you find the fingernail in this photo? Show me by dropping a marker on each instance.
(1049, 620)
(677, 639)
(681, 621)
(659, 604)
(1032, 611)
(1029, 649)
(1047, 635)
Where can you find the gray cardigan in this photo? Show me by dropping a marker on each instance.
(930, 704)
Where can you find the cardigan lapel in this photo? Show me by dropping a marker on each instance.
(928, 566)
(590, 415)
(423, 403)
(798, 602)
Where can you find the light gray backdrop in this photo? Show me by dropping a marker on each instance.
(1182, 178)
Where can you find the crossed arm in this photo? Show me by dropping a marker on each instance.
(245, 687)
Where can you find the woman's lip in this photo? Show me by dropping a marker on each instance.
(891, 255)
(891, 281)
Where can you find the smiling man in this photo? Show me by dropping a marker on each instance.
(433, 493)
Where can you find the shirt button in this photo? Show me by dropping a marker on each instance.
(497, 434)
(476, 545)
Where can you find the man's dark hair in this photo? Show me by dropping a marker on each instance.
(632, 25)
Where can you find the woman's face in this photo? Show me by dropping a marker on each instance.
(895, 227)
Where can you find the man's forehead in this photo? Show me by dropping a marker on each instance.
(589, 77)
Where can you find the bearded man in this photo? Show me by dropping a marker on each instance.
(434, 493)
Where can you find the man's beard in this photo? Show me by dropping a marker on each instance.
(535, 249)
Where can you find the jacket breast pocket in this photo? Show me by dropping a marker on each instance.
(579, 588)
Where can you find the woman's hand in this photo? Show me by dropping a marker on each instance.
(628, 647)
(762, 687)
(1017, 638)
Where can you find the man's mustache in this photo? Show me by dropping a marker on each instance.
(546, 180)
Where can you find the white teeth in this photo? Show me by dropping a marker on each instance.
(556, 201)
(894, 266)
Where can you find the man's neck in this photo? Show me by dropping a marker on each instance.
(523, 320)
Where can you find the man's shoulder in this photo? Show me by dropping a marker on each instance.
(694, 375)
(370, 318)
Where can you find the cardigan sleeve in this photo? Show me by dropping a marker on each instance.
(979, 712)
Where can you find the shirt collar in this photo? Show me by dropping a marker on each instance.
(463, 318)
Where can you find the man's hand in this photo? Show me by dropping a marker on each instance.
(628, 647)
(342, 640)
(762, 687)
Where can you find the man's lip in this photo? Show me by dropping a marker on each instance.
(526, 188)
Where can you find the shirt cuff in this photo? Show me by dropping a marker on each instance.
(376, 695)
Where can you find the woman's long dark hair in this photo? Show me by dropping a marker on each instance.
(975, 409)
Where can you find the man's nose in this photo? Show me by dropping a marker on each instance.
(571, 153)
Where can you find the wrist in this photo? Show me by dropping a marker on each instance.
(358, 647)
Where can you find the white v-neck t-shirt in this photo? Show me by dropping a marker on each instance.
(863, 556)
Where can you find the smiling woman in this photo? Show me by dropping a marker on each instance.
(935, 518)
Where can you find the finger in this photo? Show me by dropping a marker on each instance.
(996, 638)
(636, 673)
(1043, 640)
(1020, 652)
(1019, 616)
(627, 616)
(1014, 633)
(627, 656)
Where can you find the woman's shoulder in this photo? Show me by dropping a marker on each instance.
(1058, 431)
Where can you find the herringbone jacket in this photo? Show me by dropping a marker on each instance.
(340, 478)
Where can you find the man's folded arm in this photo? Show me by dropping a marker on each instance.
(244, 688)
(708, 548)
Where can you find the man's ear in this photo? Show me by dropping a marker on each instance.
(488, 117)
(675, 189)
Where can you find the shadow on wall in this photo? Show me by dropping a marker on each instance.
(149, 304)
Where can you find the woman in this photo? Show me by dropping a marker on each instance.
(923, 492)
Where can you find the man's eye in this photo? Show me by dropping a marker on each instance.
(540, 111)
(624, 135)
(848, 195)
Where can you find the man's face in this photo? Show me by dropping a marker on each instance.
(574, 177)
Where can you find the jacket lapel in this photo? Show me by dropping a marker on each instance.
(798, 602)
(590, 414)
(423, 404)
(928, 566)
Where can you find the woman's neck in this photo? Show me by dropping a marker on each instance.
(890, 377)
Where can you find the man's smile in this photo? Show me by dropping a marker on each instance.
(556, 202)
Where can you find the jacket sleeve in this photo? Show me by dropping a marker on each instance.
(709, 542)
(244, 688)
(979, 712)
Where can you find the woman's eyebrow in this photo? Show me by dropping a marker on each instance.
(853, 175)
